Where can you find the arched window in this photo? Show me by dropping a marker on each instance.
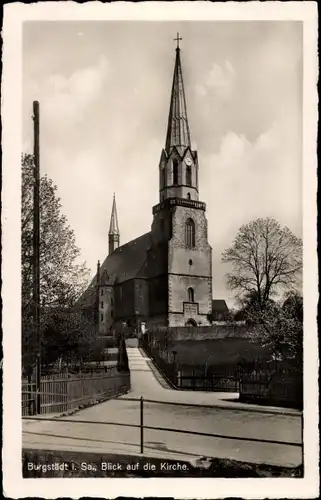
(163, 183)
(188, 175)
(190, 233)
(190, 293)
(175, 172)
(188, 196)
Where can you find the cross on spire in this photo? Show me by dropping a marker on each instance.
(177, 39)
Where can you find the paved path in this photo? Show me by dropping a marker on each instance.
(223, 416)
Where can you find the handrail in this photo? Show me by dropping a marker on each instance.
(169, 429)
(142, 427)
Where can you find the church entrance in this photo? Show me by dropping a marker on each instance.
(191, 322)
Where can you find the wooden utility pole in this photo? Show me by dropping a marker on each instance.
(36, 245)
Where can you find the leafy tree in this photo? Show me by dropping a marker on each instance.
(250, 307)
(293, 305)
(62, 277)
(264, 259)
(280, 328)
(69, 338)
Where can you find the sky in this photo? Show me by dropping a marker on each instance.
(104, 93)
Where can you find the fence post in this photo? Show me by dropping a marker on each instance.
(142, 424)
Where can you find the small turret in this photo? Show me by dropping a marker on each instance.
(113, 229)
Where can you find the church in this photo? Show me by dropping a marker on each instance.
(163, 277)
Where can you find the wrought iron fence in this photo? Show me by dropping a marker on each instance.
(212, 383)
(186, 377)
(274, 383)
(168, 369)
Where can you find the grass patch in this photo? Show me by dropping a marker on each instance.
(217, 351)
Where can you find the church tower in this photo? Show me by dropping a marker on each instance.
(113, 235)
(180, 258)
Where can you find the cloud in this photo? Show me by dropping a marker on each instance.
(221, 79)
(251, 179)
(64, 99)
(245, 180)
(200, 90)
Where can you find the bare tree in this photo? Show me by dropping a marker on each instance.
(264, 258)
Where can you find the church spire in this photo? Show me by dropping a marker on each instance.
(177, 130)
(113, 228)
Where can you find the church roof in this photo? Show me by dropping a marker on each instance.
(177, 130)
(124, 263)
(219, 306)
(127, 260)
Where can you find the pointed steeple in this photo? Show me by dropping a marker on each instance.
(177, 130)
(113, 228)
(178, 165)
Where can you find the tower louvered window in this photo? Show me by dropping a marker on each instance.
(175, 172)
(190, 233)
(188, 175)
(163, 180)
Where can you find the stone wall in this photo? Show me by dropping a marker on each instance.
(218, 344)
(189, 267)
(214, 332)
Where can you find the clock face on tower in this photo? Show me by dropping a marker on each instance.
(188, 161)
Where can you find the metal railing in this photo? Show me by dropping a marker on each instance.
(142, 426)
(252, 388)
